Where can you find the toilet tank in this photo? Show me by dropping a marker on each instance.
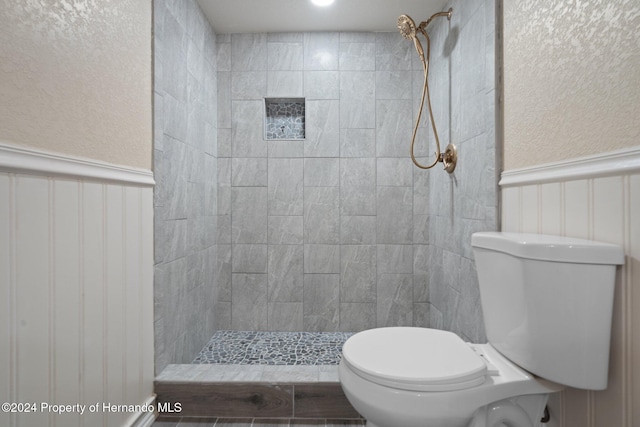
(547, 303)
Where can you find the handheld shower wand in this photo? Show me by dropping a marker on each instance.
(409, 31)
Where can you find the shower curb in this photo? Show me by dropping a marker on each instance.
(253, 391)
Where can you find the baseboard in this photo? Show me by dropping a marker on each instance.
(619, 162)
(143, 419)
(30, 161)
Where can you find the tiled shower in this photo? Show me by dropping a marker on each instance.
(334, 232)
(319, 234)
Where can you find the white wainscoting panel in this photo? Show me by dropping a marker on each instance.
(603, 207)
(76, 296)
(6, 297)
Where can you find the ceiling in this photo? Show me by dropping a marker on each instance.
(260, 16)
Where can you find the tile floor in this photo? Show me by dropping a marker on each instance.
(248, 422)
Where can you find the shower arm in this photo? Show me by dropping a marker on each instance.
(450, 156)
(424, 24)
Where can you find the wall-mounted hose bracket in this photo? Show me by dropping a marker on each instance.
(449, 158)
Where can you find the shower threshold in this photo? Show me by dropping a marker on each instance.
(285, 375)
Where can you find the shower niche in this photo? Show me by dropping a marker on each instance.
(284, 118)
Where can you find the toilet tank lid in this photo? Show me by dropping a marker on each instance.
(549, 248)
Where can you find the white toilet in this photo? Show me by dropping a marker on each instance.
(547, 304)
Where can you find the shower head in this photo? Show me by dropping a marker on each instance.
(407, 27)
(408, 30)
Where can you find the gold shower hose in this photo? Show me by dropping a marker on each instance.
(409, 31)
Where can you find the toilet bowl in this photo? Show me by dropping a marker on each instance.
(421, 377)
(437, 380)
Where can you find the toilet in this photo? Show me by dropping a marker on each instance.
(547, 305)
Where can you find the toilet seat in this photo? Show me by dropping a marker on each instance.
(414, 359)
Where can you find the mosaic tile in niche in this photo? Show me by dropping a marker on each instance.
(284, 118)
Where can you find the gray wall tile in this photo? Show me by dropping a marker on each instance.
(471, 204)
(249, 218)
(357, 186)
(421, 315)
(323, 129)
(189, 267)
(224, 141)
(357, 230)
(394, 127)
(285, 316)
(421, 225)
(285, 37)
(170, 240)
(223, 57)
(222, 270)
(395, 300)
(322, 84)
(321, 302)
(249, 258)
(421, 268)
(285, 178)
(284, 84)
(286, 230)
(358, 273)
(357, 316)
(396, 172)
(249, 172)
(357, 99)
(285, 56)
(321, 172)
(421, 192)
(247, 133)
(393, 85)
(395, 259)
(321, 51)
(249, 306)
(281, 148)
(248, 85)
(357, 37)
(393, 53)
(285, 275)
(248, 52)
(174, 118)
(224, 200)
(357, 56)
(174, 179)
(224, 99)
(322, 258)
(322, 215)
(395, 215)
(357, 143)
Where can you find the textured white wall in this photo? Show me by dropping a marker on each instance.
(75, 78)
(571, 80)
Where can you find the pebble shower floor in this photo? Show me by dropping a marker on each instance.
(273, 348)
